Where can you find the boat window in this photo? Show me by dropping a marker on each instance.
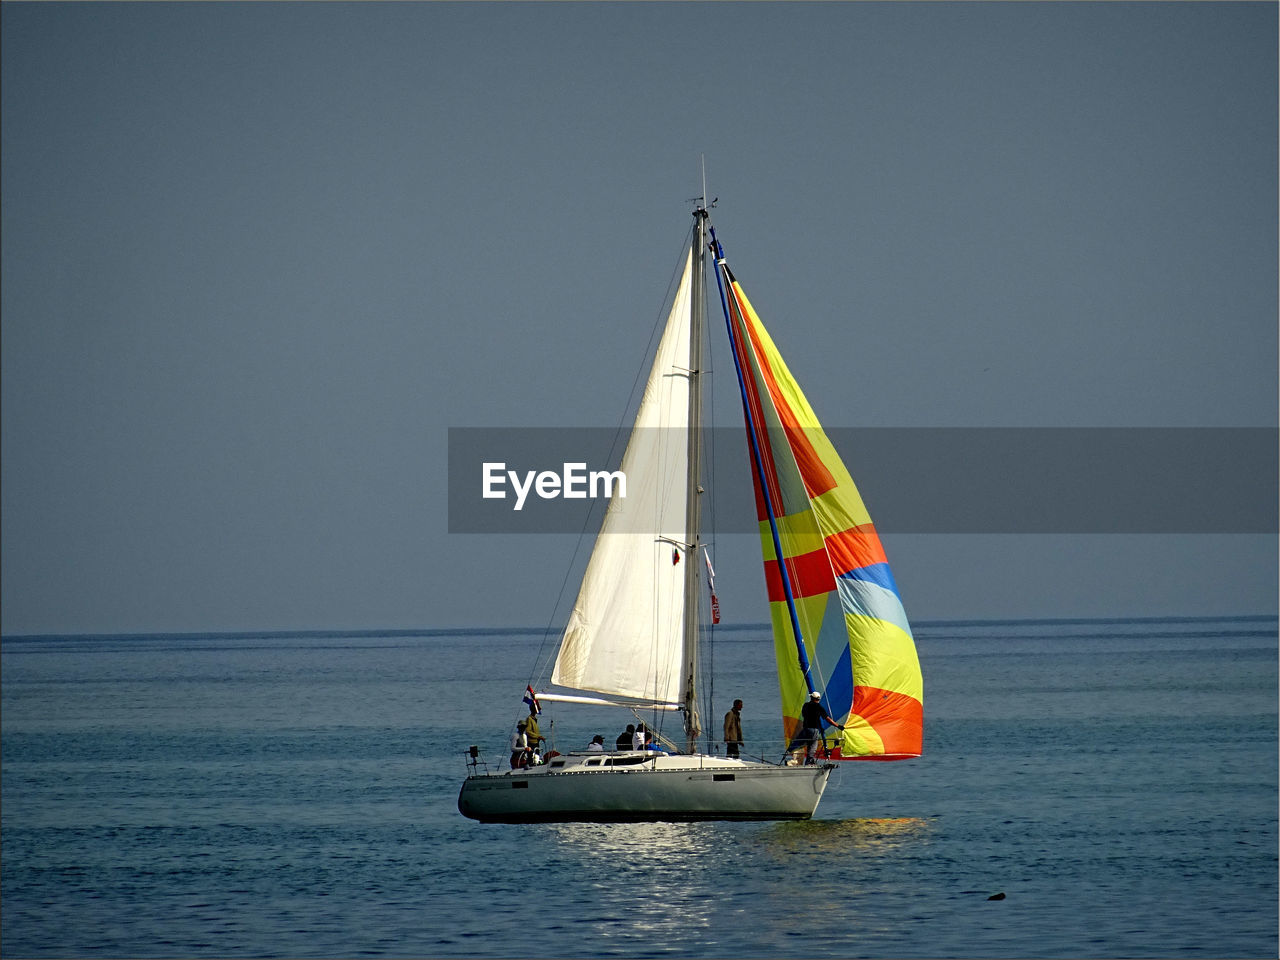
(593, 763)
(625, 761)
(557, 763)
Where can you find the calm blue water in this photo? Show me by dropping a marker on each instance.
(267, 796)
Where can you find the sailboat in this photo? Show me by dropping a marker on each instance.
(841, 636)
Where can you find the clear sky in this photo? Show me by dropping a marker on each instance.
(258, 258)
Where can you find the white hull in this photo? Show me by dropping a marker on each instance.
(643, 787)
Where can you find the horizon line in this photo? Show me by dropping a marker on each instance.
(368, 633)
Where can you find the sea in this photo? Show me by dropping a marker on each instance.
(1089, 788)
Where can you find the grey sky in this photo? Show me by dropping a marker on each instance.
(258, 258)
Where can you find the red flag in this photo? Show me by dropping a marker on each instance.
(715, 609)
(675, 556)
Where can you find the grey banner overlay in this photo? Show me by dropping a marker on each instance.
(925, 479)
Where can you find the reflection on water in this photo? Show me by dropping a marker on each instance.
(657, 883)
(650, 880)
(694, 844)
(635, 841)
(862, 835)
(827, 871)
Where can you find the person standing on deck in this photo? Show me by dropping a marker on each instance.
(531, 730)
(733, 730)
(812, 717)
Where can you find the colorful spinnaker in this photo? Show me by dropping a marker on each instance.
(838, 623)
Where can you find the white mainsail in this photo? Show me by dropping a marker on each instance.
(625, 635)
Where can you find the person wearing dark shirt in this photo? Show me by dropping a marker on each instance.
(812, 719)
(624, 738)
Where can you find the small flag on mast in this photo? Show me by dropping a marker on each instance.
(532, 700)
(711, 585)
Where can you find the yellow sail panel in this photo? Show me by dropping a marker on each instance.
(791, 681)
(799, 534)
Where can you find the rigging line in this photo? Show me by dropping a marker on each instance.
(722, 278)
(542, 662)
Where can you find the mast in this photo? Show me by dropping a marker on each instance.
(693, 490)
